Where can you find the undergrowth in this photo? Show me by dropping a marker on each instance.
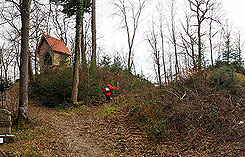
(53, 88)
(106, 111)
(208, 104)
(33, 140)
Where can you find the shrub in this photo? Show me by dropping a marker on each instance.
(52, 88)
(237, 66)
(90, 92)
(189, 107)
(159, 130)
(223, 77)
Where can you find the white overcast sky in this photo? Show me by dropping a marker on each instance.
(114, 39)
(111, 39)
(236, 12)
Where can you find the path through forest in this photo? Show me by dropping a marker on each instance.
(73, 131)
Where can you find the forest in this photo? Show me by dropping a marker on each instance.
(177, 68)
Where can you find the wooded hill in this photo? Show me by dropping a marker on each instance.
(201, 114)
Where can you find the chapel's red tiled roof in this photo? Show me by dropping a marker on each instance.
(57, 45)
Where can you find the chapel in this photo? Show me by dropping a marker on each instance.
(52, 53)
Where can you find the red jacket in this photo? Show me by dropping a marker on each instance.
(109, 93)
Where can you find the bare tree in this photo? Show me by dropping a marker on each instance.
(10, 13)
(153, 41)
(170, 70)
(86, 42)
(12, 34)
(200, 9)
(210, 37)
(239, 46)
(163, 54)
(7, 58)
(60, 23)
(173, 35)
(162, 44)
(130, 14)
(24, 58)
(170, 67)
(214, 21)
(189, 39)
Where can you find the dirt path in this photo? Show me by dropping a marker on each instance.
(79, 143)
(73, 129)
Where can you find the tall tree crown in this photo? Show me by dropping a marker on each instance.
(70, 6)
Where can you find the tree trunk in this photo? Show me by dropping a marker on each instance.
(36, 65)
(199, 46)
(35, 59)
(163, 57)
(30, 68)
(124, 10)
(129, 60)
(170, 67)
(79, 18)
(211, 52)
(1, 64)
(24, 57)
(174, 39)
(229, 52)
(201, 9)
(83, 50)
(157, 59)
(193, 55)
(93, 27)
(14, 71)
(6, 74)
(159, 73)
(176, 58)
(210, 42)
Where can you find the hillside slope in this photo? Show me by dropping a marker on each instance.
(201, 115)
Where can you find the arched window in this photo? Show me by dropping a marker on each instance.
(48, 59)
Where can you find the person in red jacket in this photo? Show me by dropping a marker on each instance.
(107, 91)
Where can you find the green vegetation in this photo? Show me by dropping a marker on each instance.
(201, 112)
(106, 111)
(79, 109)
(223, 77)
(227, 76)
(208, 104)
(53, 88)
(236, 66)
